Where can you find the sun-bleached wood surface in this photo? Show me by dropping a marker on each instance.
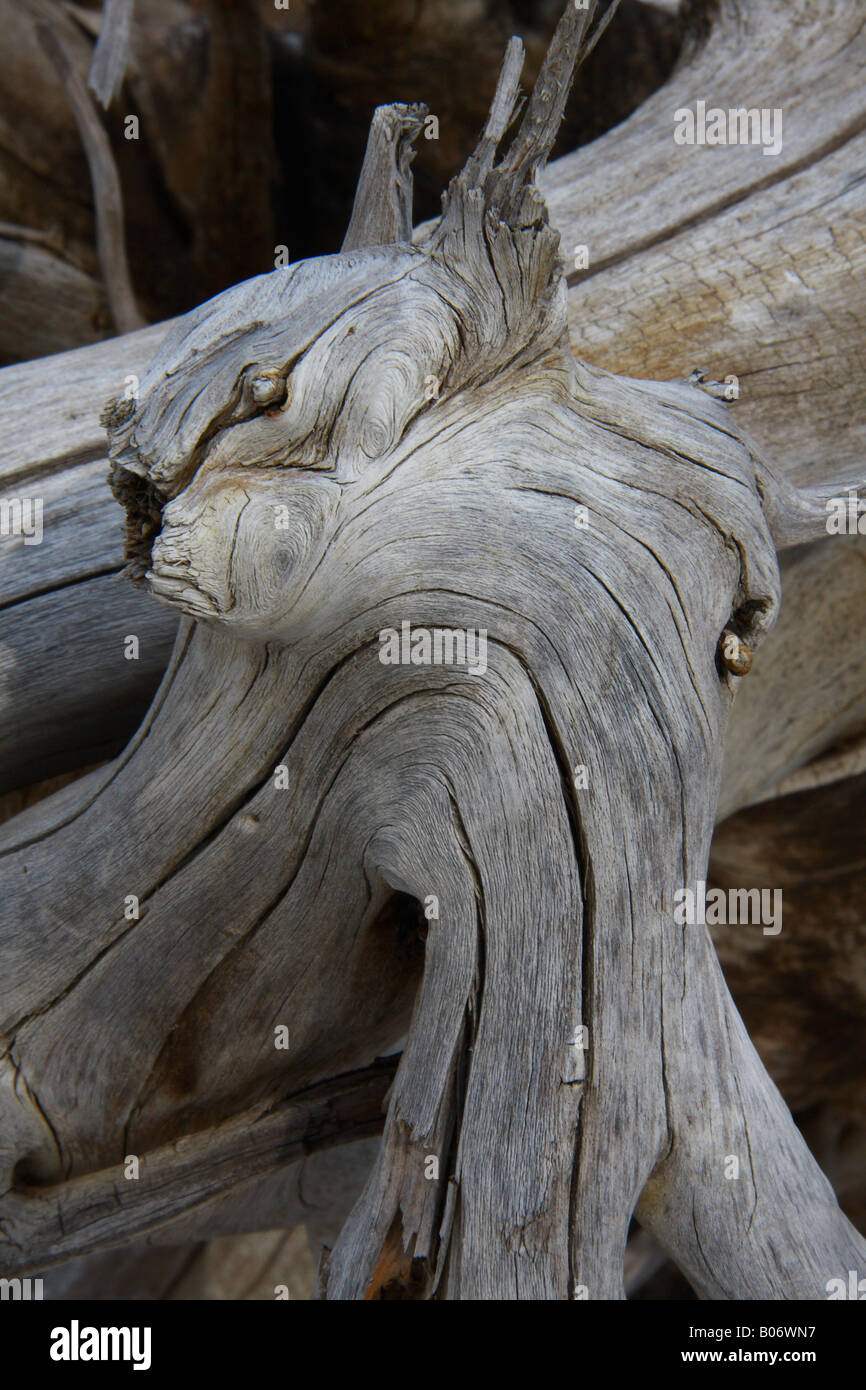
(269, 897)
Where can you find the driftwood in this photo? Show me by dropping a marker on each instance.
(779, 297)
(415, 415)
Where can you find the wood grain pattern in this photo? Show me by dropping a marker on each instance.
(291, 800)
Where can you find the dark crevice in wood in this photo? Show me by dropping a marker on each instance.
(58, 588)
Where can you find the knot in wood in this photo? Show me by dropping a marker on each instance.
(265, 387)
(734, 655)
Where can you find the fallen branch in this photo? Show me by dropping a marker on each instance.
(107, 196)
(111, 53)
(531, 813)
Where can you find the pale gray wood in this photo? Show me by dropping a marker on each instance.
(107, 194)
(382, 211)
(111, 53)
(71, 389)
(723, 258)
(49, 1225)
(555, 899)
(50, 643)
(68, 695)
(778, 296)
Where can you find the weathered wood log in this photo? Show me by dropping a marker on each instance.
(545, 800)
(70, 696)
(107, 196)
(752, 270)
(51, 1224)
(70, 693)
(620, 317)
